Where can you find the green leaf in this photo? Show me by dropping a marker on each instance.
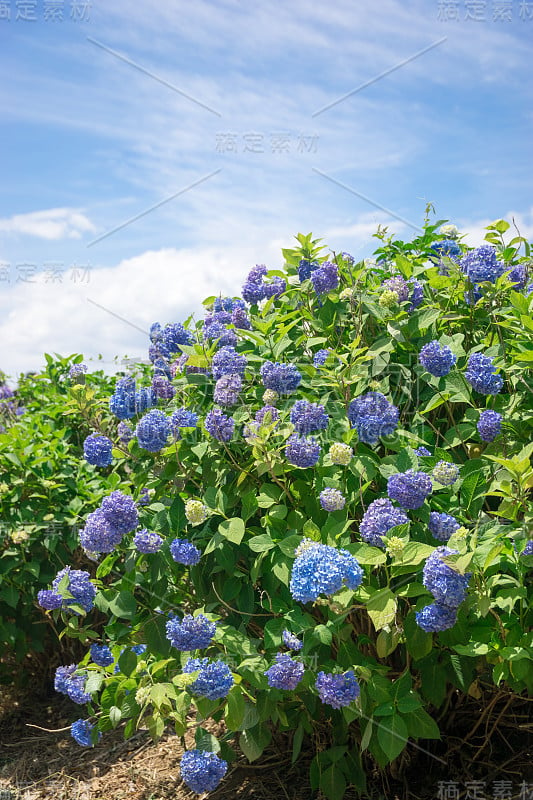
(232, 529)
(235, 706)
(261, 543)
(381, 608)
(206, 741)
(124, 605)
(253, 741)
(421, 726)
(418, 642)
(332, 783)
(392, 735)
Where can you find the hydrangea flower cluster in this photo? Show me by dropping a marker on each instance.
(214, 678)
(218, 332)
(101, 655)
(256, 289)
(332, 500)
(227, 390)
(320, 358)
(321, 569)
(481, 376)
(410, 488)
(265, 415)
(442, 525)
(68, 682)
(302, 452)
(422, 451)
(147, 542)
(126, 402)
(447, 247)
(282, 378)
(436, 359)
(447, 586)
(202, 771)
(162, 387)
(182, 418)
(219, 425)
(291, 641)
(97, 450)
(195, 512)
(153, 430)
(489, 425)
(305, 268)
(167, 341)
(445, 473)
(378, 519)
(76, 370)
(125, 432)
(340, 454)
(227, 361)
(528, 549)
(184, 552)
(308, 417)
(191, 633)
(481, 264)
(411, 290)
(373, 416)
(285, 673)
(81, 732)
(325, 278)
(270, 397)
(337, 690)
(79, 586)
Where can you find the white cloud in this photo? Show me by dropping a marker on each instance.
(52, 224)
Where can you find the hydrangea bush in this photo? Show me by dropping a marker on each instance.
(338, 511)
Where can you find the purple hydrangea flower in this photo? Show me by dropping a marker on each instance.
(308, 417)
(281, 378)
(49, 600)
(422, 451)
(120, 511)
(228, 362)
(147, 542)
(436, 359)
(97, 450)
(219, 426)
(185, 552)
(302, 452)
(162, 387)
(125, 432)
(489, 425)
(285, 673)
(378, 519)
(321, 569)
(291, 641)
(410, 488)
(76, 370)
(325, 278)
(442, 525)
(528, 549)
(98, 535)
(373, 416)
(202, 771)
(191, 633)
(305, 269)
(227, 390)
(214, 678)
(447, 586)
(337, 690)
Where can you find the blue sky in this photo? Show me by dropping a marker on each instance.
(208, 114)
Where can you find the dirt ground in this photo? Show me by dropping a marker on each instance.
(495, 752)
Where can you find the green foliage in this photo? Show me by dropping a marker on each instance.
(260, 507)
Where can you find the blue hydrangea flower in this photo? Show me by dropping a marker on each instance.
(435, 617)
(411, 290)
(528, 549)
(202, 771)
(281, 378)
(422, 451)
(125, 432)
(228, 362)
(275, 287)
(139, 649)
(518, 276)
(98, 536)
(152, 431)
(184, 552)
(447, 586)
(291, 641)
(161, 368)
(332, 500)
(76, 370)
(302, 452)
(228, 304)
(62, 676)
(219, 426)
(224, 337)
(49, 600)
(447, 247)
(144, 399)
(442, 525)
(144, 497)
(378, 519)
(97, 450)
(227, 390)
(308, 417)
(325, 278)
(191, 633)
(321, 569)
(285, 673)
(240, 319)
(163, 387)
(67, 682)
(101, 655)
(489, 425)
(482, 265)
(436, 359)
(480, 374)
(305, 269)
(445, 473)
(410, 488)
(214, 679)
(261, 415)
(417, 294)
(253, 290)
(80, 587)
(81, 732)
(373, 416)
(320, 358)
(120, 511)
(147, 542)
(337, 690)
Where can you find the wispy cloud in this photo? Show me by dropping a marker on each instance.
(52, 224)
